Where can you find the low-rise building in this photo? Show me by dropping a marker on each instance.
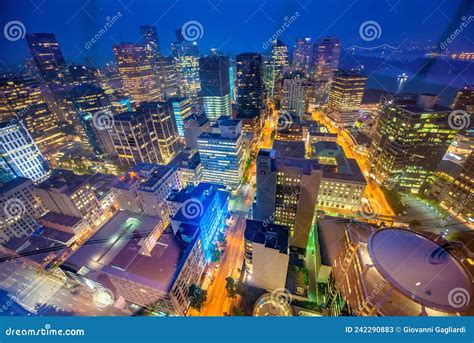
(189, 168)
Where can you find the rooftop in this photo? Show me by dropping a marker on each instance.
(150, 175)
(14, 183)
(419, 267)
(273, 236)
(64, 181)
(186, 159)
(106, 244)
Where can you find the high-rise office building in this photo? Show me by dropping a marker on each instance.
(250, 89)
(148, 135)
(136, 66)
(222, 154)
(150, 39)
(47, 59)
(168, 77)
(295, 93)
(279, 60)
(91, 103)
(186, 55)
(326, 56)
(24, 98)
(464, 99)
(410, 140)
(19, 154)
(345, 97)
(287, 191)
(182, 109)
(215, 86)
(303, 55)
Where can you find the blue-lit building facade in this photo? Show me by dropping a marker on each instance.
(19, 154)
(182, 109)
(204, 208)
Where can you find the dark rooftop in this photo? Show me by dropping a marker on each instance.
(273, 236)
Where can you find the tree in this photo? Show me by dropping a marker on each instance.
(237, 311)
(230, 286)
(197, 297)
(215, 253)
(221, 237)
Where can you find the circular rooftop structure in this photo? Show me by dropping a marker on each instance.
(421, 269)
(271, 305)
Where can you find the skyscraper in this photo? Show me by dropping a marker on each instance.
(222, 154)
(295, 93)
(215, 86)
(345, 96)
(147, 135)
(150, 39)
(250, 89)
(326, 56)
(181, 109)
(279, 60)
(186, 55)
(47, 58)
(411, 138)
(303, 55)
(23, 96)
(90, 103)
(19, 155)
(137, 69)
(287, 191)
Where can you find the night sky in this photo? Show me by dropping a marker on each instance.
(233, 26)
